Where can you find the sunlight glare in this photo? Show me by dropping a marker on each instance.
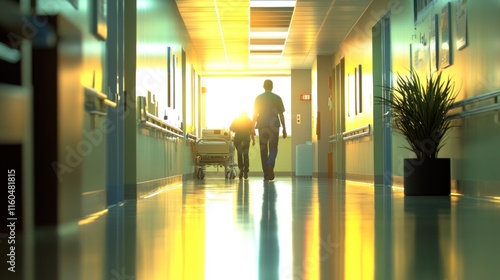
(228, 97)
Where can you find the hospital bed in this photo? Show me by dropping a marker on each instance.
(215, 148)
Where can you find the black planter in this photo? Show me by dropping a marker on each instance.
(430, 176)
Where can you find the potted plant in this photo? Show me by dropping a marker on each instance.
(420, 112)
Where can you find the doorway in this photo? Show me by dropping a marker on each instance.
(338, 145)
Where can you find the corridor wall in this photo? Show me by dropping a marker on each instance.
(474, 68)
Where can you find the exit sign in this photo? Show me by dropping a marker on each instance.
(305, 97)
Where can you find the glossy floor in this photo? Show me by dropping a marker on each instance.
(292, 228)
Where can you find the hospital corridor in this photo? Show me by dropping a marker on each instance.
(249, 140)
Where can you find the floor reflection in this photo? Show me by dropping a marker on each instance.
(293, 228)
(426, 239)
(269, 255)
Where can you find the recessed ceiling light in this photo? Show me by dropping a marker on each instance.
(263, 62)
(264, 57)
(272, 4)
(267, 47)
(268, 34)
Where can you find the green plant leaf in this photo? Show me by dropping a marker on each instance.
(420, 111)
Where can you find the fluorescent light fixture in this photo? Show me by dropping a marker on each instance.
(264, 64)
(268, 41)
(269, 32)
(265, 57)
(272, 4)
(267, 47)
(268, 29)
(259, 34)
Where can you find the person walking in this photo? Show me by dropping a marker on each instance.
(268, 117)
(243, 130)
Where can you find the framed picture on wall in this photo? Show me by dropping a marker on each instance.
(347, 94)
(445, 55)
(99, 21)
(174, 69)
(355, 91)
(359, 92)
(351, 95)
(74, 3)
(434, 43)
(462, 39)
(169, 77)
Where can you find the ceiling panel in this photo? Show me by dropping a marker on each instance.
(220, 32)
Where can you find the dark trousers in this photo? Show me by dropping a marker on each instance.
(242, 147)
(268, 142)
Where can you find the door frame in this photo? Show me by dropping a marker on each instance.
(382, 72)
(115, 81)
(338, 100)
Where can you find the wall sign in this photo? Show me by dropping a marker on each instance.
(305, 97)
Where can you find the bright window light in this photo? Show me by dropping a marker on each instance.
(240, 93)
(271, 4)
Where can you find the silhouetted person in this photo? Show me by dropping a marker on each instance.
(243, 130)
(268, 117)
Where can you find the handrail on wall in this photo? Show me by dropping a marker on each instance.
(162, 129)
(482, 109)
(154, 122)
(356, 133)
(159, 124)
(350, 134)
(333, 138)
(495, 95)
(191, 137)
(100, 95)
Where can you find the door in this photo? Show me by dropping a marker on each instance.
(114, 68)
(339, 120)
(382, 74)
(387, 81)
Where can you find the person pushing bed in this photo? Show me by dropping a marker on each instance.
(243, 130)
